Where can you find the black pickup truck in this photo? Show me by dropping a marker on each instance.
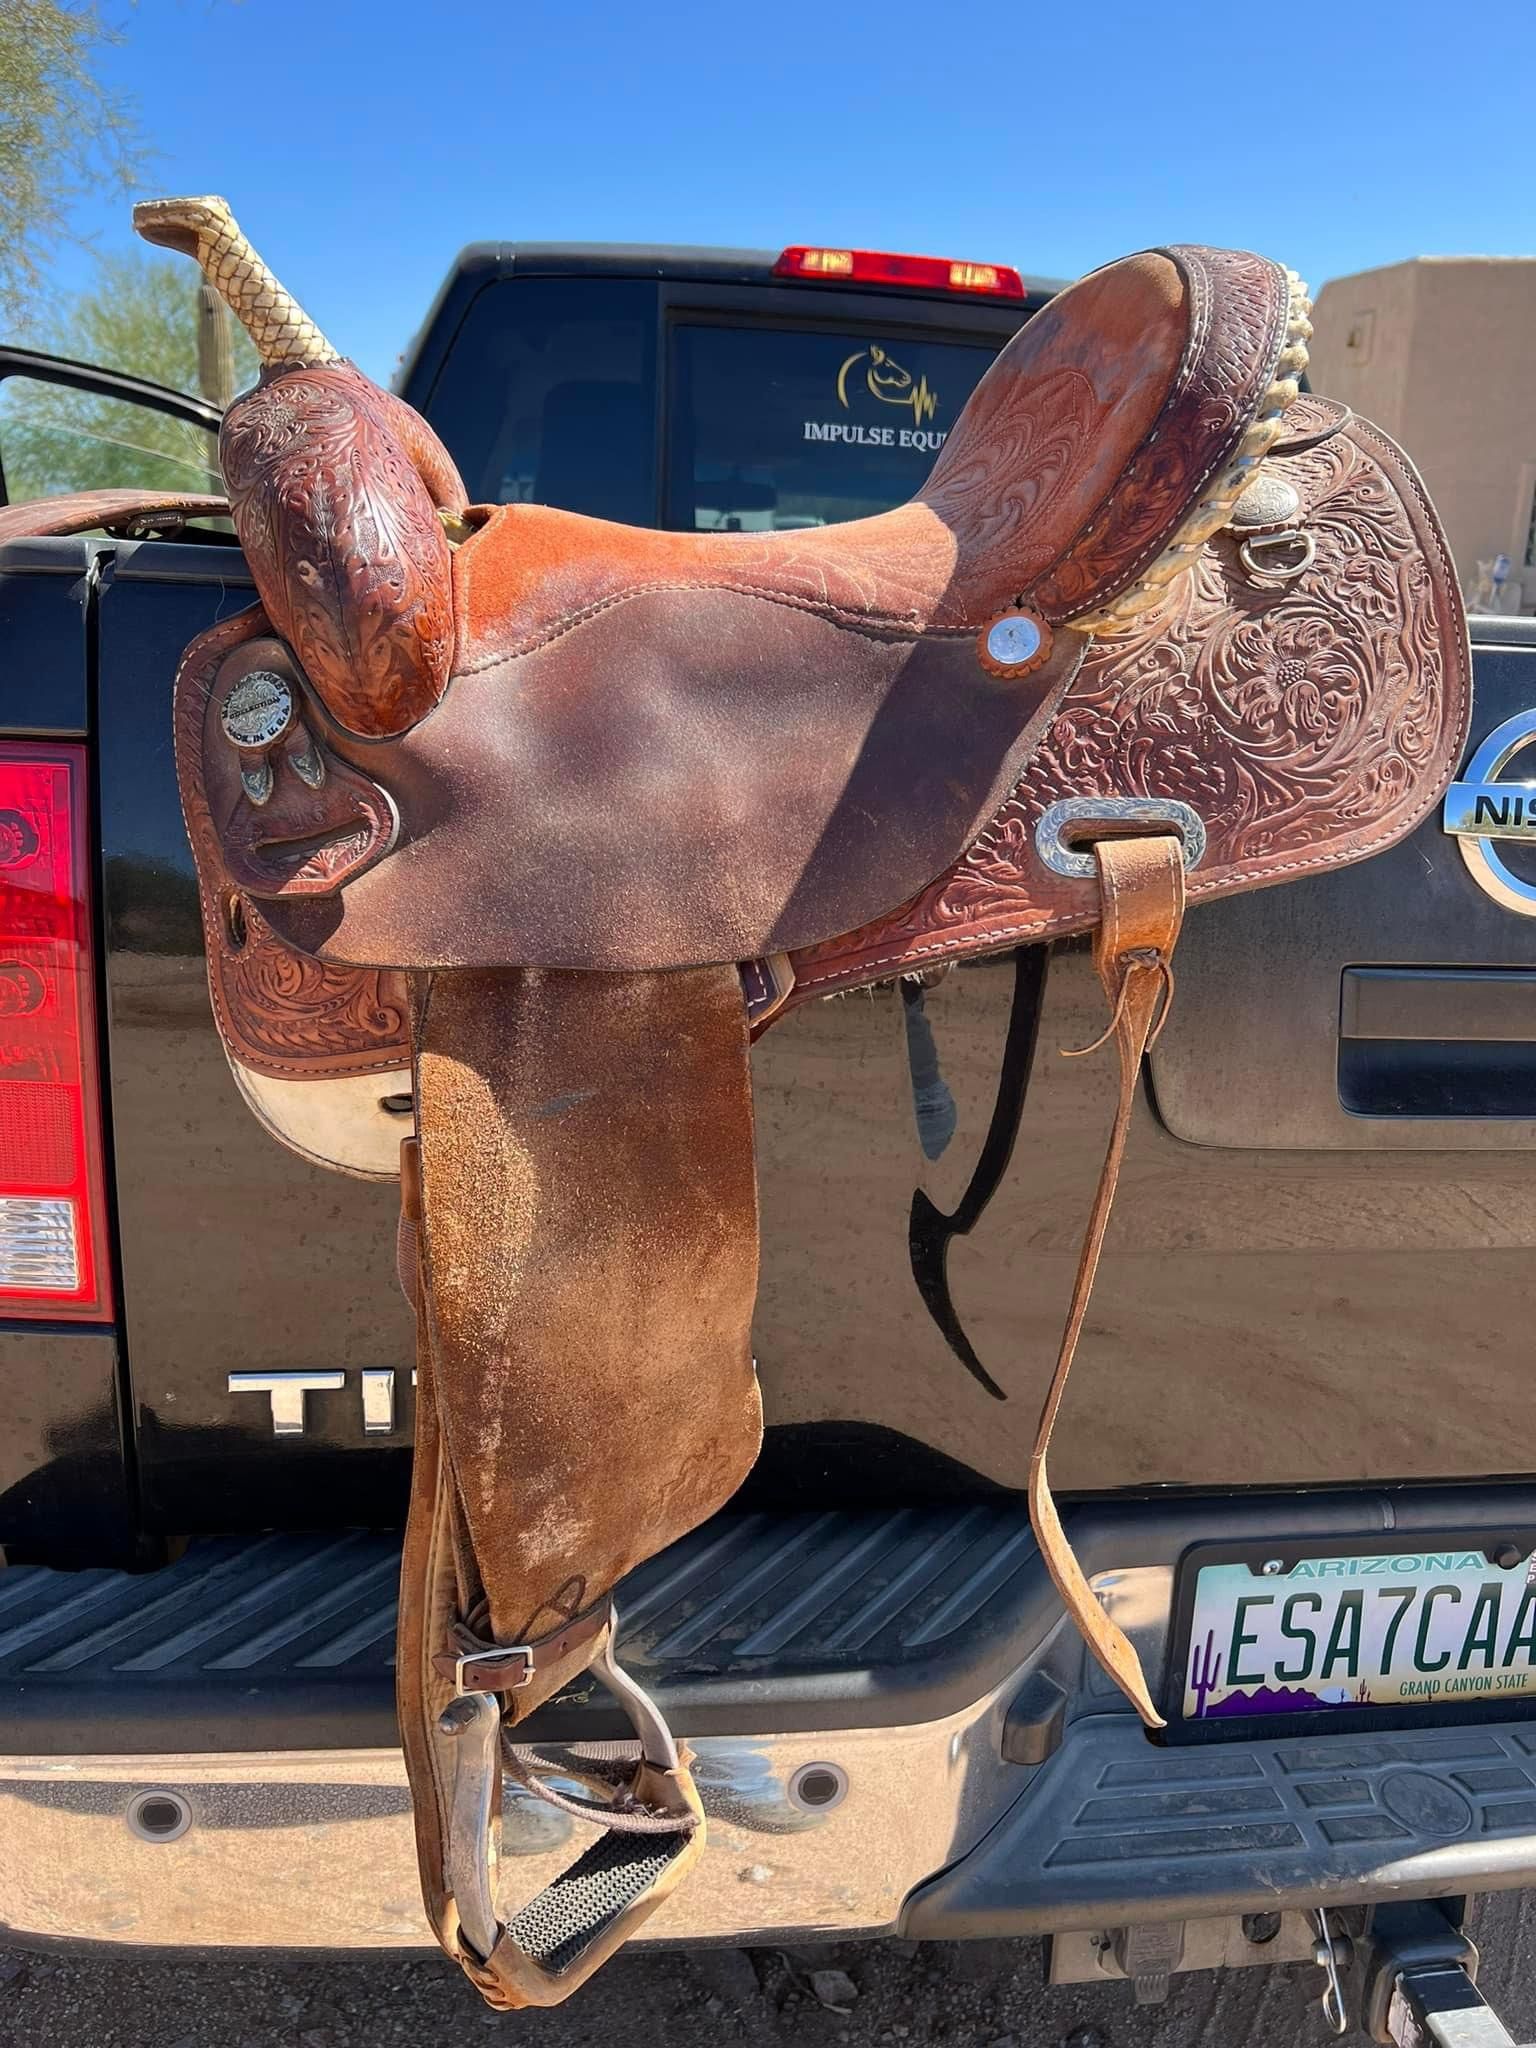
(1303, 1390)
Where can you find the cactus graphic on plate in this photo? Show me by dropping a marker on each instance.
(1205, 1672)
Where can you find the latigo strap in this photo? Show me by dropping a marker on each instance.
(1141, 885)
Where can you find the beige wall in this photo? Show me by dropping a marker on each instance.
(1442, 353)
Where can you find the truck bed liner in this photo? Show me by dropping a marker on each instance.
(855, 1619)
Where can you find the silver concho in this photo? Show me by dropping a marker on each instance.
(1269, 501)
(258, 710)
(1013, 644)
(1013, 639)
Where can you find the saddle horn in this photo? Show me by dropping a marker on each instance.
(342, 496)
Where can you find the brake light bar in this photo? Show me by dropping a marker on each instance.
(916, 273)
(53, 1224)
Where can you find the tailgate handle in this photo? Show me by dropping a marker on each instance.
(1448, 1004)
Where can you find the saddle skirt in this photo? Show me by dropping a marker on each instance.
(531, 823)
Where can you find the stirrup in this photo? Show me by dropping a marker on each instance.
(651, 1838)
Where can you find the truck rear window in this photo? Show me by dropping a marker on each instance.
(550, 393)
(548, 396)
(773, 427)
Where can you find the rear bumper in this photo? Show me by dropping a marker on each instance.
(934, 1838)
(314, 1850)
(909, 1656)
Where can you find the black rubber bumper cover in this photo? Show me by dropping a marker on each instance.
(1114, 1831)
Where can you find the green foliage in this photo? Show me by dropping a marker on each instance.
(142, 317)
(64, 134)
(61, 133)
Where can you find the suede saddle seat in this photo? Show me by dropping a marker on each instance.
(658, 750)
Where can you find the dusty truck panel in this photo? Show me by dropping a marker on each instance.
(231, 1258)
(1295, 1295)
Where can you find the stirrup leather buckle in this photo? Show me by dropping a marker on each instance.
(515, 1660)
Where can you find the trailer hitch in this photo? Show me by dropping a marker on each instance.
(1419, 1982)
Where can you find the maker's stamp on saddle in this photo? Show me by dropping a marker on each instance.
(258, 710)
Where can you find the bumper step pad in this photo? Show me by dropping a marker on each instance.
(1114, 1830)
(279, 1639)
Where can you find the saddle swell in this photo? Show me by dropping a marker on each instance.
(529, 820)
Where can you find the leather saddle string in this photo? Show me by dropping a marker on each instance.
(1141, 884)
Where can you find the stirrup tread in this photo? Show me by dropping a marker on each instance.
(557, 1928)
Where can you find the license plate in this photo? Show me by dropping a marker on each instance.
(1421, 1628)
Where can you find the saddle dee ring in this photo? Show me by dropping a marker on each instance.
(1053, 838)
(1279, 572)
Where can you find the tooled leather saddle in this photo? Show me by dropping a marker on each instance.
(548, 818)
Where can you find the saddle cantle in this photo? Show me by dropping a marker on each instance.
(541, 819)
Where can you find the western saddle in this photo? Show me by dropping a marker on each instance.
(556, 816)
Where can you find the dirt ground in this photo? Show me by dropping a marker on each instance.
(971, 1995)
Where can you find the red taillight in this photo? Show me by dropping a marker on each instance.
(53, 1236)
(917, 273)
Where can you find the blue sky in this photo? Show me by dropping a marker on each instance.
(361, 144)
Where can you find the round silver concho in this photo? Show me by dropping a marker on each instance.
(1269, 501)
(258, 710)
(1013, 639)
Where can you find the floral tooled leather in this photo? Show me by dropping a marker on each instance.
(279, 1012)
(1310, 722)
(342, 536)
(293, 1018)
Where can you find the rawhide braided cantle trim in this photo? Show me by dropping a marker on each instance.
(1215, 508)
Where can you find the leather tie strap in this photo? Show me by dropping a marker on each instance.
(1141, 885)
